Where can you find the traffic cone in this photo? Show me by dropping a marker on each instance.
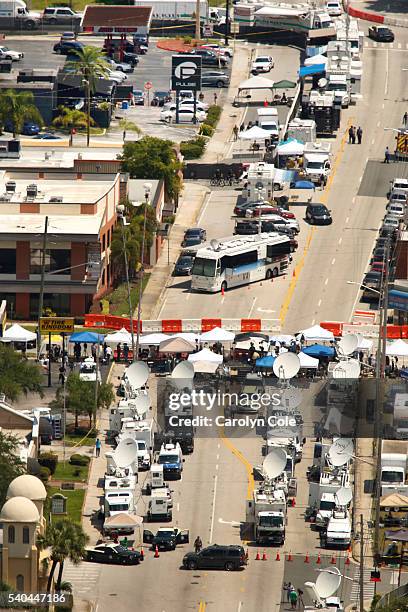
(294, 273)
(319, 559)
(347, 560)
(141, 554)
(333, 560)
(265, 103)
(307, 558)
(264, 557)
(290, 557)
(277, 556)
(156, 552)
(293, 502)
(349, 549)
(258, 556)
(222, 291)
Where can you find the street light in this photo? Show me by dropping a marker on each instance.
(147, 188)
(364, 287)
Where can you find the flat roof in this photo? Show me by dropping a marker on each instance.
(116, 16)
(61, 225)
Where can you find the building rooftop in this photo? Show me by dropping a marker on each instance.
(28, 486)
(33, 224)
(116, 16)
(19, 510)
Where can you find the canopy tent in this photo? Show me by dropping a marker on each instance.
(205, 367)
(256, 82)
(217, 335)
(120, 336)
(308, 362)
(206, 355)
(319, 350)
(123, 520)
(315, 60)
(316, 333)
(399, 348)
(255, 133)
(397, 536)
(365, 345)
(290, 147)
(265, 362)
(282, 338)
(17, 333)
(189, 336)
(303, 185)
(284, 84)
(153, 339)
(395, 500)
(308, 70)
(88, 337)
(176, 345)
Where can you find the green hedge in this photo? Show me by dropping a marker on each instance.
(193, 149)
(213, 115)
(44, 474)
(79, 459)
(48, 460)
(206, 130)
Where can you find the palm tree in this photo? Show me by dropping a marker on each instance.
(118, 251)
(17, 107)
(67, 540)
(69, 119)
(129, 126)
(91, 65)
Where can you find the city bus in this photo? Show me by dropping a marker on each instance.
(239, 260)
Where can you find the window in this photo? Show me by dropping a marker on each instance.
(204, 267)
(20, 582)
(55, 259)
(11, 534)
(282, 248)
(104, 242)
(57, 302)
(242, 259)
(7, 261)
(26, 535)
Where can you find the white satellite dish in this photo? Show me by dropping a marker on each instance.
(274, 463)
(126, 452)
(142, 403)
(348, 344)
(360, 339)
(322, 83)
(290, 398)
(341, 451)
(286, 365)
(328, 581)
(214, 244)
(349, 369)
(344, 496)
(184, 369)
(137, 374)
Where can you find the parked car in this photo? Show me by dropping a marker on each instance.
(216, 557)
(186, 115)
(140, 39)
(396, 209)
(160, 98)
(196, 231)
(218, 49)
(68, 47)
(138, 97)
(318, 214)
(215, 79)
(191, 241)
(391, 221)
(66, 36)
(47, 136)
(171, 106)
(381, 34)
(113, 553)
(334, 8)
(121, 66)
(166, 538)
(209, 58)
(60, 15)
(262, 63)
(184, 265)
(398, 195)
(9, 54)
(29, 128)
(116, 75)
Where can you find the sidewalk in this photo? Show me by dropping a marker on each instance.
(363, 502)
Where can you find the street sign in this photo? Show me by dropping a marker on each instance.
(208, 30)
(148, 85)
(186, 72)
(234, 27)
(56, 325)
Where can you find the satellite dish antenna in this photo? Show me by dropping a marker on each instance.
(274, 463)
(360, 339)
(341, 451)
(290, 398)
(347, 369)
(126, 452)
(328, 581)
(214, 244)
(322, 83)
(344, 496)
(184, 369)
(286, 365)
(142, 403)
(137, 374)
(348, 344)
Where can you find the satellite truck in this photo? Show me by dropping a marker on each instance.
(394, 458)
(321, 593)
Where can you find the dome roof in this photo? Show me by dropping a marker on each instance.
(19, 510)
(27, 486)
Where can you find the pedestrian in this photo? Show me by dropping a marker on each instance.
(353, 136)
(97, 447)
(359, 134)
(370, 359)
(387, 156)
(125, 351)
(108, 354)
(405, 118)
(61, 377)
(300, 598)
(104, 348)
(198, 544)
(350, 134)
(293, 597)
(215, 99)
(118, 352)
(93, 351)
(85, 349)
(288, 587)
(242, 127)
(236, 130)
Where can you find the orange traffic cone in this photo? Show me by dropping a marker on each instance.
(156, 552)
(333, 560)
(258, 556)
(265, 102)
(290, 557)
(264, 557)
(307, 558)
(222, 291)
(141, 554)
(349, 549)
(319, 559)
(293, 502)
(277, 556)
(294, 273)
(347, 560)
(247, 554)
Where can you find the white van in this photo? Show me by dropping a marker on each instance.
(334, 8)
(268, 119)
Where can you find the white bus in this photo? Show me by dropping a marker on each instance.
(236, 261)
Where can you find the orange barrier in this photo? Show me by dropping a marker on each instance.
(209, 324)
(365, 15)
(394, 332)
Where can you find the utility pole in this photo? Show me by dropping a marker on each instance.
(147, 187)
(227, 20)
(128, 284)
(88, 111)
(362, 563)
(198, 21)
(41, 295)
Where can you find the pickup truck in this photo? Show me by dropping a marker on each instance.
(381, 34)
(166, 538)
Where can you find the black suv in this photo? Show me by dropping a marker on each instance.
(69, 47)
(208, 58)
(216, 557)
(318, 214)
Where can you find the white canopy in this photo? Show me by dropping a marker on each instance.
(308, 362)
(189, 336)
(316, 333)
(365, 345)
(217, 335)
(120, 336)
(16, 333)
(256, 82)
(205, 367)
(282, 338)
(399, 348)
(206, 355)
(254, 133)
(293, 147)
(315, 60)
(153, 339)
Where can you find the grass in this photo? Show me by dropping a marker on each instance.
(118, 299)
(76, 5)
(71, 439)
(75, 499)
(68, 472)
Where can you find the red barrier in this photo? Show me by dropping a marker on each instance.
(209, 324)
(174, 326)
(366, 16)
(254, 325)
(334, 326)
(393, 332)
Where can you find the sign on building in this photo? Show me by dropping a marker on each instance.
(186, 72)
(208, 30)
(56, 325)
(58, 504)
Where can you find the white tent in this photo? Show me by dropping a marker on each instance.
(365, 345)
(120, 336)
(153, 339)
(308, 362)
(205, 367)
(254, 133)
(282, 338)
(315, 60)
(293, 147)
(206, 355)
(16, 333)
(399, 348)
(189, 336)
(217, 335)
(316, 333)
(256, 82)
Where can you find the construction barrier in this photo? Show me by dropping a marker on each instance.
(365, 15)
(394, 332)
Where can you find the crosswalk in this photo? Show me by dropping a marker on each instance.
(368, 586)
(372, 44)
(83, 577)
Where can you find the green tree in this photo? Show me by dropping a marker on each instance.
(398, 605)
(67, 540)
(70, 119)
(153, 158)
(129, 126)
(10, 464)
(117, 252)
(90, 63)
(17, 107)
(17, 375)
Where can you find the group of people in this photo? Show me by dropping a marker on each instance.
(355, 133)
(293, 596)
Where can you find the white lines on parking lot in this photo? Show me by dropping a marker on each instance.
(240, 603)
(353, 201)
(333, 261)
(216, 467)
(188, 295)
(379, 123)
(373, 141)
(347, 219)
(213, 509)
(162, 308)
(340, 240)
(205, 206)
(319, 303)
(178, 507)
(387, 57)
(218, 456)
(313, 322)
(252, 307)
(223, 299)
(383, 105)
(326, 281)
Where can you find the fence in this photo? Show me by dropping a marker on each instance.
(394, 595)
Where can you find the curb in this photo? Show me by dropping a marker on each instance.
(374, 17)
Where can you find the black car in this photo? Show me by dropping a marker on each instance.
(318, 214)
(160, 98)
(166, 538)
(243, 228)
(381, 34)
(191, 241)
(68, 47)
(196, 231)
(215, 79)
(184, 265)
(209, 58)
(216, 557)
(113, 553)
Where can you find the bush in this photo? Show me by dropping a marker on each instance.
(187, 40)
(169, 219)
(80, 460)
(48, 460)
(44, 474)
(193, 149)
(206, 130)
(213, 115)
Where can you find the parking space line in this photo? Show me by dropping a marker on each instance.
(340, 240)
(333, 261)
(213, 509)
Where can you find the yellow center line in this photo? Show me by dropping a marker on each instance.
(243, 460)
(202, 607)
(323, 200)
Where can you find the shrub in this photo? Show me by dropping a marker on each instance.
(206, 130)
(44, 474)
(80, 460)
(213, 115)
(187, 40)
(193, 149)
(77, 471)
(169, 219)
(48, 460)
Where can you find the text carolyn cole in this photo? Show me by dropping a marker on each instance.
(223, 421)
(209, 400)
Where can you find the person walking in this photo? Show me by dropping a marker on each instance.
(350, 134)
(300, 598)
(405, 118)
(387, 156)
(293, 596)
(215, 99)
(198, 544)
(359, 134)
(353, 134)
(288, 587)
(61, 377)
(235, 130)
(97, 447)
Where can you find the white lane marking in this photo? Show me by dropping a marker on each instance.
(383, 105)
(223, 299)
(213, 509)
(326, 281)
(360, 179)
(379, 123)
(340, 240)
(188, 295)
(394, 578)
(218, 456)
(205, 208)
(353, 200)
(161, 309)
(333, 261)
(219, 446)
(347, 219)
(220, 520)
(252, 307)
(386, 72)
(216, 468)
(373, 141)
(239, 606)
(319, 303)
(313, 322)
(178, 507)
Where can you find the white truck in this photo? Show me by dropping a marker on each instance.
(316, 160)
(325, 510)
(269, 120)
(266, 513)
(127, 408)
(160, 505)
(394, 456)
(338, 532)
(329, 482)
(171, 458)
(295, 18)
(88, 371)
(339, 84)
(118, 502)
(155, 479)
(303, 130)
(14, 14)
(142, 432)
(179, 10)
